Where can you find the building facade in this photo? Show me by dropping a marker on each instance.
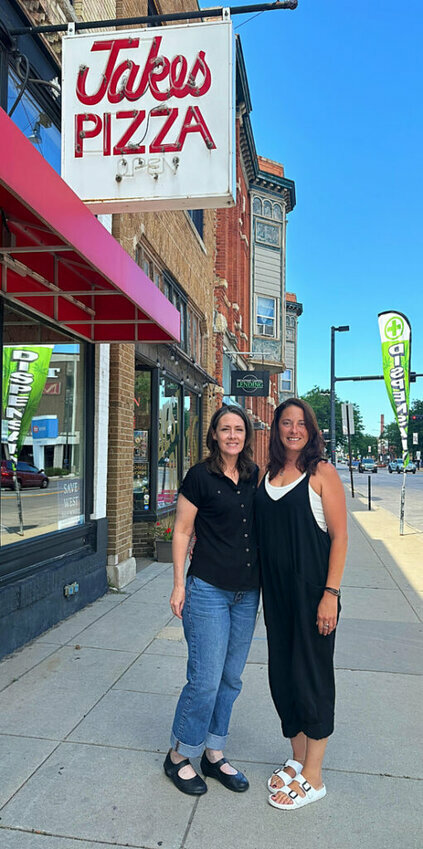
(67, 289)
(249, 321)
(288, 385)
(128, 386)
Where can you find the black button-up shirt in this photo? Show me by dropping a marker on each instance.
(225, 551)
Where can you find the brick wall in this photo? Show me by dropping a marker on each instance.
(120, 454)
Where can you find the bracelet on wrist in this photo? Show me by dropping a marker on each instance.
(333, 591)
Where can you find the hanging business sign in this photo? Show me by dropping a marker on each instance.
(149, 117)
(250, 383)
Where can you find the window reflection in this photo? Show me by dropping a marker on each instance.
(50, 431)
(169, 442)
(142, 429)
(191, 430)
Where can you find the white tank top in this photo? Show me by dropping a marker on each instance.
(277, 492)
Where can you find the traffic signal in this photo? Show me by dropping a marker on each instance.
(417, 418)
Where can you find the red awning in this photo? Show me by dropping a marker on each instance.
(62, 264)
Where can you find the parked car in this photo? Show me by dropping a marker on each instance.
(367, 465)
(392, 466)
(410, 468)
(27, 475)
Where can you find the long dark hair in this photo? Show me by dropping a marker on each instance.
(244, 461)
(311, 454)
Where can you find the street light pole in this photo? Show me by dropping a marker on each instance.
(342, 329)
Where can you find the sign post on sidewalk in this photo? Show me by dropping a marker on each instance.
(347, 411)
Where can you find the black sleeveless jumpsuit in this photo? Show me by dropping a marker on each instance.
(294, 556)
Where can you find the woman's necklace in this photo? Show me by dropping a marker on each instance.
(232, 474)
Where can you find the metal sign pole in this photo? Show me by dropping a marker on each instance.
(349, 448)
(402, 504)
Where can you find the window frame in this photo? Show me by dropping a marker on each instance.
(285, 380)
(22, 558)
(275, 334)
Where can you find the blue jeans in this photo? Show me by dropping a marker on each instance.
(218, 627)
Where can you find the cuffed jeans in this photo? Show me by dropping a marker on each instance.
(218, 627)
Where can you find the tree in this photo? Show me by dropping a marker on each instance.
(319, 399)
(364, 445)
(392, 435)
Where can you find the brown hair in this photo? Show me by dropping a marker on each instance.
(244, 463)
(311, 454)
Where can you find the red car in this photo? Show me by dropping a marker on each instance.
(26, 474)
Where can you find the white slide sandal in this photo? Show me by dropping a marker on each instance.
(311, 795)
(285, 776)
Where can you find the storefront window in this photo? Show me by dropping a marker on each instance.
(142, 431)
(42, 429)
(169, 442)
(191, 430)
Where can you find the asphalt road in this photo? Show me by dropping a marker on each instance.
(386, 492)
(46, 506)
(40, 507)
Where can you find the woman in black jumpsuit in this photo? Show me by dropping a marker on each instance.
(301, 525)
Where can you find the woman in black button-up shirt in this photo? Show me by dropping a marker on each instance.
(218, 604)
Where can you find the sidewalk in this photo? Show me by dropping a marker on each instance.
(86, 711)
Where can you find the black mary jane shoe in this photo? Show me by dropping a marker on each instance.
(238, 783)
(192, 786)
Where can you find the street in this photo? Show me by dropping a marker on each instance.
(386, 492)
(57, 503)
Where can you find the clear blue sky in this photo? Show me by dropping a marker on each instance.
(337, 89)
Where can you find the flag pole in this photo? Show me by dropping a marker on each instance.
(402, 503)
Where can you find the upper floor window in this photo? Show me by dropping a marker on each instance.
(268, 234)
(194, 336)
(286, 380)
(257, 206)
(179, 299)
(277, 212)
(149, 265)
(197, 218)
(267, 209)
(266, 316)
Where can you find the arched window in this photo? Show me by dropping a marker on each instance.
(257, 206)
(267, 209)
(277, 212)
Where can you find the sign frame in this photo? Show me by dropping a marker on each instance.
(148, 117)
(258, 381)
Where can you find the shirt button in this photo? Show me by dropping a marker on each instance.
(248, 564)
(242, 505)
(247, 549)
(246, 535)
(218, 491)
(244, 520)
(238, 492)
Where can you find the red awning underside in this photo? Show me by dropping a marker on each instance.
(61, 263)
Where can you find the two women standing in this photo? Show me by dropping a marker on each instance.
(301, 529)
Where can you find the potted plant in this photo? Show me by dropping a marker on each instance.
(163, 543)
